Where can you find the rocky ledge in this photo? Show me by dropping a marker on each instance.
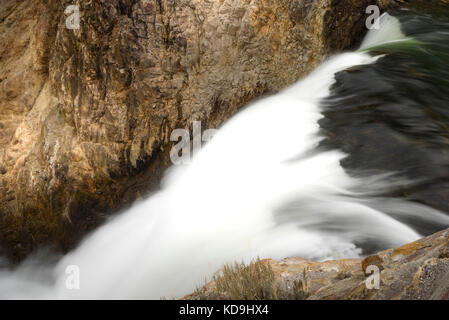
(419, 270)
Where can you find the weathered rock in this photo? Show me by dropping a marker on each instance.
(419, 270)
(86, 115)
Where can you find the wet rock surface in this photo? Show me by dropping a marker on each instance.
(390, 118)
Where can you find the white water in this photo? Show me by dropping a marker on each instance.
(256, 190)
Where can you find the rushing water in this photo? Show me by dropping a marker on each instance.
(283, 178)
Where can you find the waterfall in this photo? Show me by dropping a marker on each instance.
(261, 188)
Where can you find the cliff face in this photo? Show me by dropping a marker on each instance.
(86, 115)
(417, 271)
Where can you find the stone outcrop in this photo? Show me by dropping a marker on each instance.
(86, 114)
(416, 271)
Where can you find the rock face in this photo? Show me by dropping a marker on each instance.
(419, 270)
(86, 114)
